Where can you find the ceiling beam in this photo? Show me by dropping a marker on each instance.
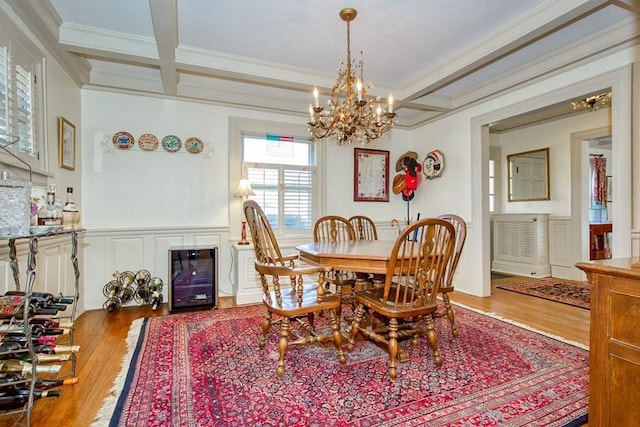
(164, 16)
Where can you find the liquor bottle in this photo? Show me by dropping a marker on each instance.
(49, 213)
(70, 213)
(20, 400)
(25, 368)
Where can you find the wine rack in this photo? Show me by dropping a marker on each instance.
(22, 414)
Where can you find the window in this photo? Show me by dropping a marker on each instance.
(20, 96)
(282, 172)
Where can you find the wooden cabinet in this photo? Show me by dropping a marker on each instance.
(614, 366)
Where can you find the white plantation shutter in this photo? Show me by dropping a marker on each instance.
(4, 92)
(25, 111)
(20, 98)
(298, 198)
(285, 191)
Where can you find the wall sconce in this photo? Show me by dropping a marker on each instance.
(244, 190)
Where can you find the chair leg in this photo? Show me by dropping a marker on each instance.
(354, 327)
(266, 324)
(284, 335)
(393, 349)
(433, 339)
(337, 336)
(450, 315)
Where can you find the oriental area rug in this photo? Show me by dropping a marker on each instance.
(565, 291)
(205, 369)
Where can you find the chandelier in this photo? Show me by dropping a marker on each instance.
(350, 116)
(594, 102)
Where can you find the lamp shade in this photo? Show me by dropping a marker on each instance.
(244, 189)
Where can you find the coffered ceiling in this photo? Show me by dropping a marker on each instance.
(433, 55)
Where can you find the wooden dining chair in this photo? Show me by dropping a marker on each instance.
(364, 227)
(333, 228)
(297, 302)
(446, 287)
(407, 301)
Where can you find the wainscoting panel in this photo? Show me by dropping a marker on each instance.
(561, 249)
(108, 251)
(127, 253)
(54, 271)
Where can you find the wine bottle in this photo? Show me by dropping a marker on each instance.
(9, 347)
(47, 297)
(36, 330)
(19, 400)
(42, 384)
(22, 339)
(55, 349)
(10, 380)
(50, 323)
(45, 358)
(25, 368)
(156, 300)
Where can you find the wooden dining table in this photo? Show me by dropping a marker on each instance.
(358, 256)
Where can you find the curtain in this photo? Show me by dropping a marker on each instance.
(599, 180)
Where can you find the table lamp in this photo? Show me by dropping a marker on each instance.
(244, 190)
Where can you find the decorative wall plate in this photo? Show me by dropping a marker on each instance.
(123, 140)
(171, 143)
(433, 164)
(148, 142)
(193, 145)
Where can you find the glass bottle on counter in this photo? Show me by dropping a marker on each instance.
(49, 214)
(70, 213)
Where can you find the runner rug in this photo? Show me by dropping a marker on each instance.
(205, 369)
(564, 291)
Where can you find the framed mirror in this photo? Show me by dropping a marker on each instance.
(528, 175)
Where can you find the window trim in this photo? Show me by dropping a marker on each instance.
(34, 63)
(239, 126)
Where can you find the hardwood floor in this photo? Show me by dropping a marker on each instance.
(102, 339)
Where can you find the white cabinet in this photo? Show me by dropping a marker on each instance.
(245, 277)
(520, 244)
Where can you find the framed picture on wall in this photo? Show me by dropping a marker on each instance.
(66, 144)
(370, 175)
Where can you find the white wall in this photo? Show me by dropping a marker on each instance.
(555, 135)
(462, 135)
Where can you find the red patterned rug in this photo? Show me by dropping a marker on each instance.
(205, 369)
(564, 291)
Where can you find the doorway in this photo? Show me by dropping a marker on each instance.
(620, 82)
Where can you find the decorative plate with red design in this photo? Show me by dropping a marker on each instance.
(148, 141)
(123, 140)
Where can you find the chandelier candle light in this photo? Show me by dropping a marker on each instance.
(594, 102)
(244, 190)
(351, 116)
